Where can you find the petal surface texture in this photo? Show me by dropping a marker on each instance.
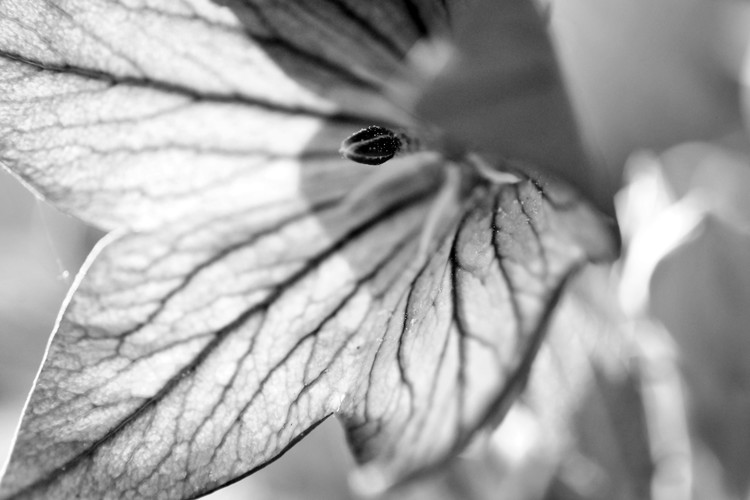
(244, 295)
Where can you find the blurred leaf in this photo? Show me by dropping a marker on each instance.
(646, 73)
(690, 249)
(244, 297)
(708, 318)
(717, 177)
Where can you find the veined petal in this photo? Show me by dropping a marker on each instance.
(466, 326)
(225, 332)
(109, 109)
(247, 294)
(181, 364)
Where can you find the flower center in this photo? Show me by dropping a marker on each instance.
(375, 145)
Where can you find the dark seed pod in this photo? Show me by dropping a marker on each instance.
(372, 145)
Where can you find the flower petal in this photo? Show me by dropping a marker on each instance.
(111, 109)
(195, 354)
(247, 295)
(466, 326)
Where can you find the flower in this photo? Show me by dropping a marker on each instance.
(254, 281)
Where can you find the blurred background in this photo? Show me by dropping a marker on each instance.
(661, 90)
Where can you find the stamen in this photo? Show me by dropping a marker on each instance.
(376, 145)
(372, 145)
(489, 173)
